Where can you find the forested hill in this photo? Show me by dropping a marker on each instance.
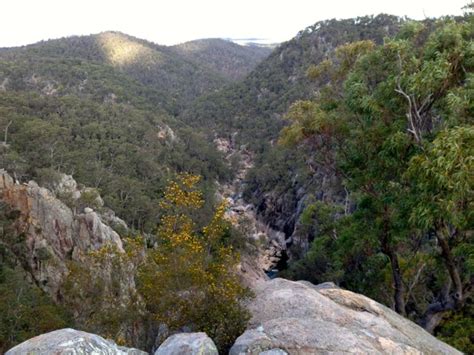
(231, 60)
(177, 75)
(254, 107)
(102, 108)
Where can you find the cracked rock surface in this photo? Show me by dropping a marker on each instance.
(301, 318)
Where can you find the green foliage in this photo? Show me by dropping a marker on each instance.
(89, 198)
(253, 110)
(167, 76)
(227, 58)
(47, 178)
(99, 293)
(185, 279)
(444, 180)
(458, 328)
(101, 108)
(395, 123)
(115, 148)
(189, 279)
(253, 107)
(25, 311)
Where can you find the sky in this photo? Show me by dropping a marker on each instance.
(175, 21)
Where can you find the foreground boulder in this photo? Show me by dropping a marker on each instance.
(300, 318)
(187, 343)
(71, 342)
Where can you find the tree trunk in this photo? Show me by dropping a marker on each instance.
(431, 319)
(398, 283)
(448, 301)
(6, 132)
(399, 292)
(435, 311)
(452, 268)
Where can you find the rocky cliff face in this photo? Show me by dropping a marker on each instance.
(281, 210)
(48, 233)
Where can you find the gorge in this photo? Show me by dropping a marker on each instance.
(315, 197)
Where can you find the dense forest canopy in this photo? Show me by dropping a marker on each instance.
(395, 123)
(68, 106)
(254, 107)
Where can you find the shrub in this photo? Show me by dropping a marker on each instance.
(189, 279)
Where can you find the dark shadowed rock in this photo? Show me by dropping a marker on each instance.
(71, 342)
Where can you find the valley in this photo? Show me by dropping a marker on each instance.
(258, 194)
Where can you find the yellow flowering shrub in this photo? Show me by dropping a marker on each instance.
(188, 280)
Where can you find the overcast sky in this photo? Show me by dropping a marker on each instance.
(175, 21)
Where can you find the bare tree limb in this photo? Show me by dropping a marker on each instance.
(6, 132)
(414, 282)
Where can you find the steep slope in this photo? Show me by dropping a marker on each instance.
(250, 113)
(355, 181)
(82, 106)
(253, 108)
(46, 237)
(227, 58)
(126, 152)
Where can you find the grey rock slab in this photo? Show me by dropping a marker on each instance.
(187, 343)
(70, 342)
(301, 318)
(273, 352)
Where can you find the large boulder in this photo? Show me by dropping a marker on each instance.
(301, 318)
(187, 343)
(71, 342)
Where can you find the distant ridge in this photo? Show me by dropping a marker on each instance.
(178, 73)
(229, 59)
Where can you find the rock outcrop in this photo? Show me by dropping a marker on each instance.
(49, 233)
(301, 318)
(292, 318)
(71, 342)
(187, 343)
